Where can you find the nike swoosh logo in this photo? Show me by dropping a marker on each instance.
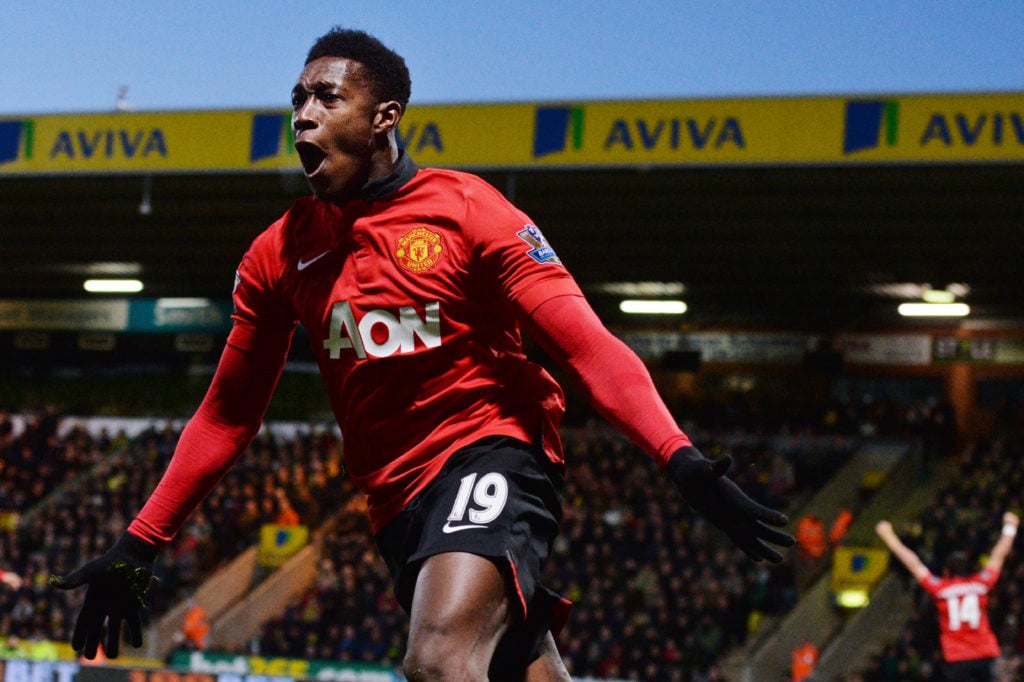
(303, 264)
(449, 528)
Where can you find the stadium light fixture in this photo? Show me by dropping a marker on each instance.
(934, 309)
(938, 296)
(652, 307)
(182, 302)
(107, 269)
(113, 286)
(641, 289)
(852, 599)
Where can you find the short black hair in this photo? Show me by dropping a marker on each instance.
(386, 70)
(958, 564)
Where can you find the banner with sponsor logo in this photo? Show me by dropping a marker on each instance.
(146, 142)
(885, 349)
(209, 668)
(279, 543)
(965, 128)
(979, 349)
(1009, 351)
(742, 347)
(858, 568)
(196, 662)
(125, 315)
(202, 667)
(957, 349)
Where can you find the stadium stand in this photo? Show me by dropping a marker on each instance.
(989, 480)
(657, 594)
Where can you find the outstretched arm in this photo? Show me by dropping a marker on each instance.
(614, 380)
(227, 420)
(999, 553)
(620, 388)
(901, 551)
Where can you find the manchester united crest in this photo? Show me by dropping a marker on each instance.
(419, 249)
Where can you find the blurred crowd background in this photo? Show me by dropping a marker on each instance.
(658, 594)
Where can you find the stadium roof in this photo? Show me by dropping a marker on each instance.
(807, 246)
(827, 233)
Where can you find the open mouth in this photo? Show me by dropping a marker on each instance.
(312, 157)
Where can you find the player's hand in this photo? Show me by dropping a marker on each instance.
(883, 527)
(705, 486)
(118, 583)
(1011, 519)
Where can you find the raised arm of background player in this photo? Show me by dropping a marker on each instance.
(614, 378)
(920, 571)
(1011, 522)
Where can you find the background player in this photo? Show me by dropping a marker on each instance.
(413, 286)
(969, 647)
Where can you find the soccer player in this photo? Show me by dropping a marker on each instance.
(969, 646)
(413, 285)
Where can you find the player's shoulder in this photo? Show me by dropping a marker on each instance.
(301, 216)
(304, 213)
(987, 575)
(288, 237)
(464, 184)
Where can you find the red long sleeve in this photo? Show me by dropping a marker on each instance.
(226, 422)
(614, 379)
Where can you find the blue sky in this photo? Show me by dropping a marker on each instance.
(72, 56)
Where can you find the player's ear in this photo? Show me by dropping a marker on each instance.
(387, 116)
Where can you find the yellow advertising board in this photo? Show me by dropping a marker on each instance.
(140, 142)
(279, 543)
(959, 128)
(858, 567)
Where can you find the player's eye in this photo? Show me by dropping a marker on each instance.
(297, 99)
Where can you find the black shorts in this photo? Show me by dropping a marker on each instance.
(975, 670)
(500, 499)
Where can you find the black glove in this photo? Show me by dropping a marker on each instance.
(708, 490)
(118, 584)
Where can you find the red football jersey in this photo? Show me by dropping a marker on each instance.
(411, 304)
(962, 606)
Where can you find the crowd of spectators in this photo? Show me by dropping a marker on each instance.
(279, 480)
(966, 516)
(350, 613)
(657, 593)
(66, 497)
(37, 461)
(866, 412)
(33, 463)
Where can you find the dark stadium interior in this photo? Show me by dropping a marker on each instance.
(810, 247)
(817, 249)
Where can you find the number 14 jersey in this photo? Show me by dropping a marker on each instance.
(962, 606)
